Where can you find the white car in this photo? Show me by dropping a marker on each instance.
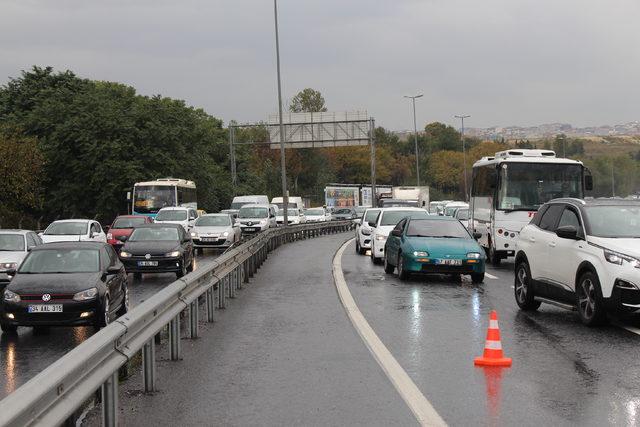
(215, 231)
(317, 215)
(385, 222)
(450, 208)
(256, 218)
(184, 216)
(294, 216)
(582, 255)
(364, 228)
(14, 247)
(74, 230)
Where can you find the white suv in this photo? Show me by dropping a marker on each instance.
(385, 222)
(363, 229)
(184, 216)
(582, 255)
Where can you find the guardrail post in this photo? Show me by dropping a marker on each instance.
(210, 304)
(175, 350)
(245, 271)
(232, 289)
(149, 366)
(110, 401)
(194, 316)
(222, 295)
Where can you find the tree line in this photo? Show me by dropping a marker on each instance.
(73, 147)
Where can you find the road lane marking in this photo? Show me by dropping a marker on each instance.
(413, 397)
(490, 276)
(632, 329)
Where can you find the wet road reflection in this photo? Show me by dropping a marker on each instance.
(32, 350)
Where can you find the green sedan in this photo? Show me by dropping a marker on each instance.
(435, 245)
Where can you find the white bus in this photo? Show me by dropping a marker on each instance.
(508, 189)
(151, 196)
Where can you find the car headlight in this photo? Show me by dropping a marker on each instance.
(85, 295)
(381, 237)
(420, 253)
(11, 296)
(225, 234)
(174, 254)
(194, 234)
(124, 254)
(474, 255)
(618, 258)
(9, 265)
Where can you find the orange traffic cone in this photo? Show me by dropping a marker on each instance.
(493, 355)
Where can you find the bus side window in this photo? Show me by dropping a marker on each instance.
(180, 197)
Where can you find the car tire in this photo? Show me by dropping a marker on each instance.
(124, 307)
(9, 329)
(388, 268)
(190, 266)
(105, 317)
(358, 247)
(522, 289)
(182, 271)
(402, 273)
(477, 277)
(494, 258)
(589, 300)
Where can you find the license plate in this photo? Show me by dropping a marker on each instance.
(209, 239)
(147, 263)
(250, 229)
(45, 308)
(449, 261)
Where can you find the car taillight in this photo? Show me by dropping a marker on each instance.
(109, 236)
(499, 230)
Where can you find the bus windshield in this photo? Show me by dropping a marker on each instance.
(527, 186)
(152, 198)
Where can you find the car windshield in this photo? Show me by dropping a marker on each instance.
(292, 212)
(67, 228)
(253, 212)
(393, 203)
(527, 186)
(372, 214)
(393, 217)
(61, 261)
(127, 222)
(154, 234)
(462, 214)
(614, 221)
(152, 198)
(437, 228)
(172, 215)
(213, 221)
(451, 210)
(360, 211)
(342, 212)
(11, 242)
(314, 212)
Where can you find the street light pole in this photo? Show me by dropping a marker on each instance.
(415, 135)
(285, 195)
(464, 156)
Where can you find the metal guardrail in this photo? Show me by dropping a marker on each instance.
(54, 395)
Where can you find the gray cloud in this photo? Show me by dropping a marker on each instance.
(502, 61)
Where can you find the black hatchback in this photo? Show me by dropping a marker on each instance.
(158, 248)
(66, 284)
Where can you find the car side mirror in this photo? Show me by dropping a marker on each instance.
(113, 269)
(357, 221)
(123, 238)
(372, 224)
(11, 271)
(477, 235)
(396, 233)
(567, 232)
(29, 248)
(94, 234)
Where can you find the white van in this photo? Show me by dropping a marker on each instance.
(294, 202)
(184, 216)
(254, 218)
(240, 201)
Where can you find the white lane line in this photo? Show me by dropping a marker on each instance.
(628, 328)
(413, 397)
(490, 276)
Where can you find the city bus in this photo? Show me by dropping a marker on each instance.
(151, 196)
(508, 188)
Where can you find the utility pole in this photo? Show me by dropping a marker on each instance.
(613, 181)
(285, 193)
(415, 135)
(464, 156)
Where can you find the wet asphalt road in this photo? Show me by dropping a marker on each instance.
(563, 372)
(24, 356)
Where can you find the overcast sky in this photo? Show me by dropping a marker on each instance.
(504, 62)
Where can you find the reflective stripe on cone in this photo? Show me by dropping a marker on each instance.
(493, 355)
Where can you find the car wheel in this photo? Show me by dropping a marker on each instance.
(477, 277)
(9, 329)
(105, 317)
(388, 268)
(124, 308)
(182, 271)
(402, 273)
(522, 288)
(190, 266)
(494, 258)
(358, 246)
(590, 306)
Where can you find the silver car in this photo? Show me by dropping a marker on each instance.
(14, 246)
(215, 231)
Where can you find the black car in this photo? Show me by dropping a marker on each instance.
(158, 248)
(66, 284)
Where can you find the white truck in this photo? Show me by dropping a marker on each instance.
(407, 196)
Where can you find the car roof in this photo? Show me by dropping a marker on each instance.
(256, 205)
(434, 218)
(132, 216)
(174, 208)
(601, 201)
(14, 231)
(216, 214)
(70, 245)
(159, 225)
(402, 208)
(73, 220)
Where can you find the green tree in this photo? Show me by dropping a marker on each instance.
(307, 101)
(442, 137)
